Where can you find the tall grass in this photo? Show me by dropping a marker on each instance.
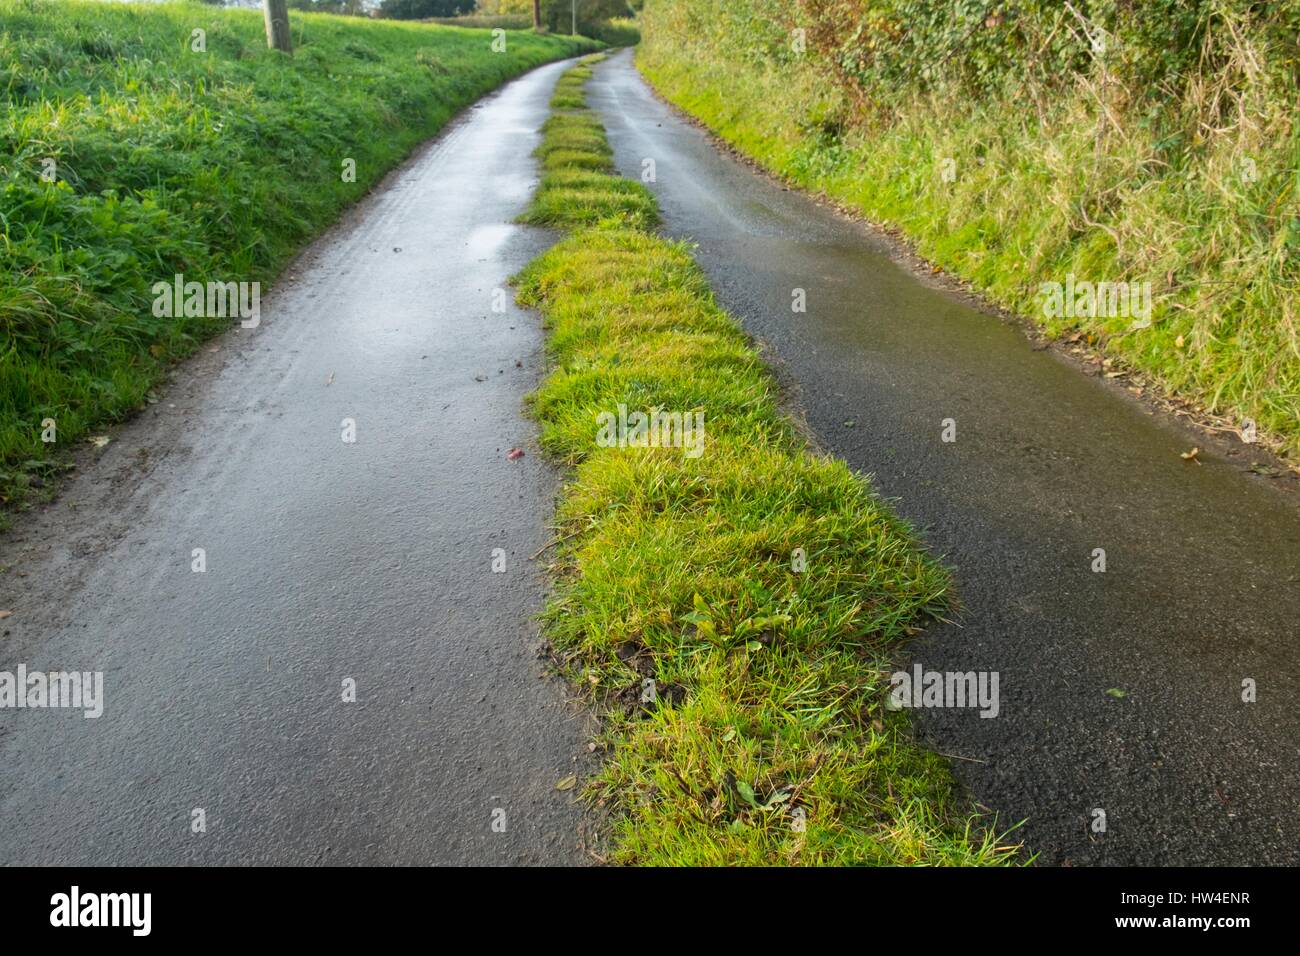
(217, 164)
(1190, 181)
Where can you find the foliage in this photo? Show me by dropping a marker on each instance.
(619, 31)
(347, 8)
(1118, 140)
(610, 21)
(557, 14)
(504, 21)
(423, 9)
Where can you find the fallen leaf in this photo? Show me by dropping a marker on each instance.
(1178, 342)
(1191, 455)
(515, 453)
(5, 614)
(568, 783)
(99, 441)
(1116, 692)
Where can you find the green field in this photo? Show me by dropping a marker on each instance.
(761, 587)
(217, 165)
(1013, 152)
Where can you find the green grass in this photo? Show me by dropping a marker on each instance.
(218, 165)
(770, 682)
(616, 31)
(1082, 176)
(578, 186)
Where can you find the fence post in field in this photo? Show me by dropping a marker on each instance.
(277, 26)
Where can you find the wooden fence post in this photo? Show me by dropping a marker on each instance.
(277, 26)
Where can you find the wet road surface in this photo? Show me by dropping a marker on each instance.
(326, 562)
(1200, 591)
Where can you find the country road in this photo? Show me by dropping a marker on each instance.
(1120, 691)
(326, 562)
(331, 563)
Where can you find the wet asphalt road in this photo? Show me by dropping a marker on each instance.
(1203, 562)
(326, 561)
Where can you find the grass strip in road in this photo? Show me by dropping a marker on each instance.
(731, 604)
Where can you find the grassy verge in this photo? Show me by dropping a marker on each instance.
(1193, 189)
(616, 31)
(745, 693)
(217, 164)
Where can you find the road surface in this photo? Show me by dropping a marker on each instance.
(326, 562)
(371, 562)
(1202, 583)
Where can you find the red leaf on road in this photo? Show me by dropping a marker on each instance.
(515, 453)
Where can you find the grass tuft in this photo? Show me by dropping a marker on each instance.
(579, 187)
